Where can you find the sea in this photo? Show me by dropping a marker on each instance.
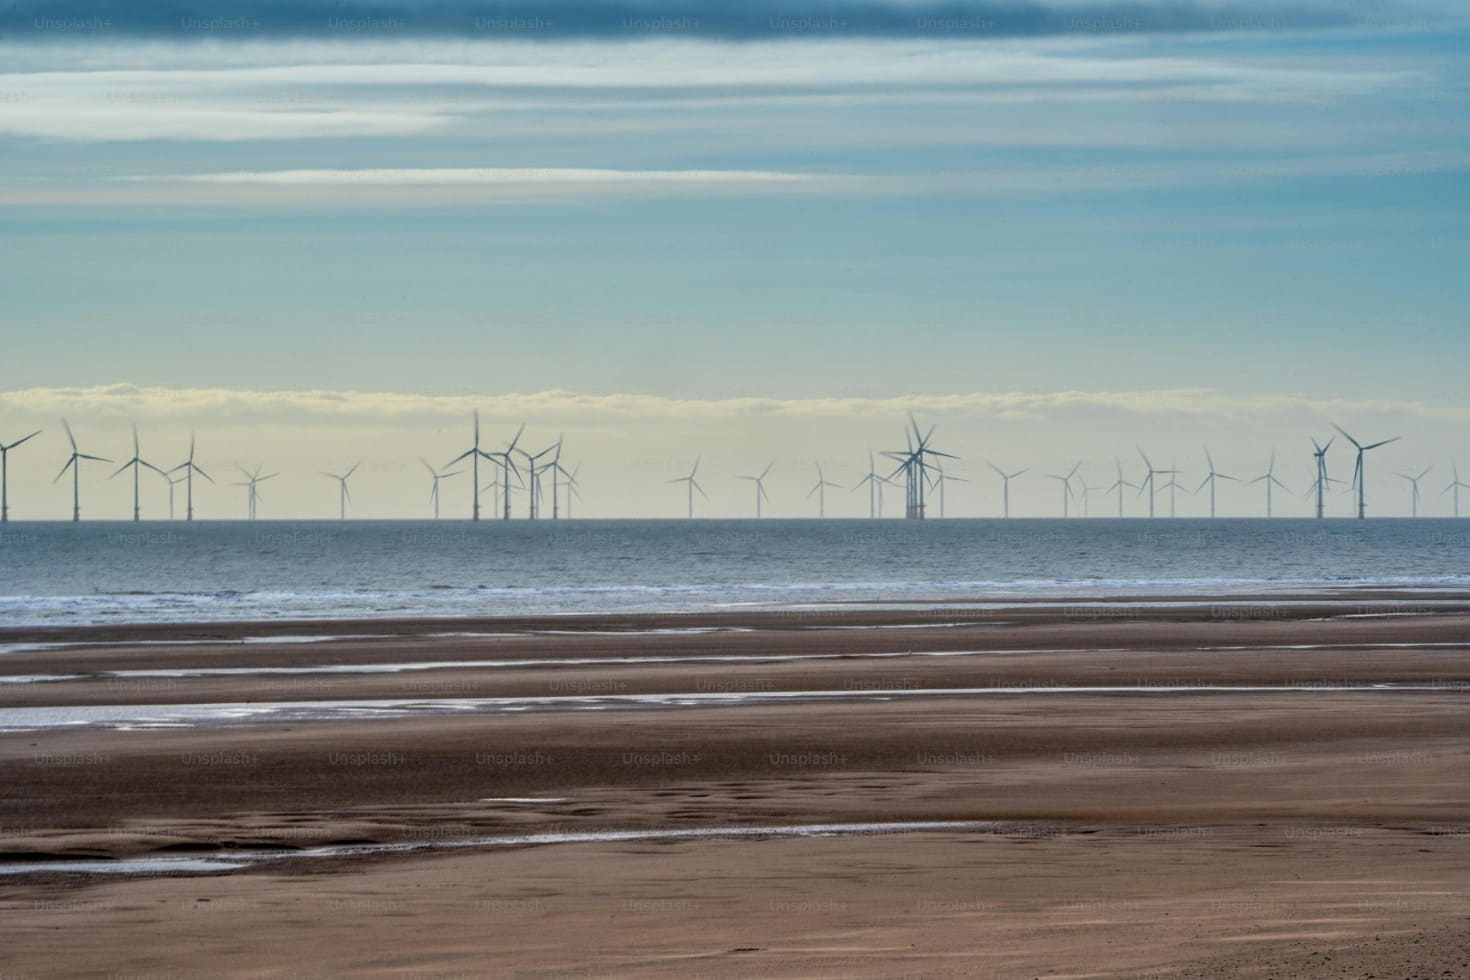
(100, 572)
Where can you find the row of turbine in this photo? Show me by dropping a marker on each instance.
(919, 464)
(921, 476)
(537, 468)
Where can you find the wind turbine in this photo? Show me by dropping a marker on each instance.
(507, 467)
(1358, 480)
(437, 476)
(760, 487)
(1456, 486)
(914, 468)
(1414, 482)
(1319, 454)
(74, 461)
(1067, 491)
(5, 475)
(1210, 478)
(1269, 478)
(1119, 484)
(875, 484)
(136, 462)
(534, 490)
(820, 489)
(474, 454)
(1174, 486)
(941, 480)
(342, 481)
(189, 470)
(1148, 479)
(252, 495)
(173, 481)
(572, 486)
(693, 486)
(1005, 479)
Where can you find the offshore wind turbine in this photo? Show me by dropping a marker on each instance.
(760, 487)
(1319, 455)
(341, 479)
(1005, 480)
(941, 480)
(914, 468)
(1358, 480)
(820, 489)
(690, 480)
(875, 483)
(1148, 479)
(1119, 484)
(507, 467)
(1066, 482)
(1210, 478)
(571, 486)
(474, 454)
(534, 488)
(1456, 486)
(252, 495)
(5, 475)
(173, 481)
(1414, 483)
(1269, 478)
(1174, 486)
(189, 470)
(74, 461)
(136, 462)
(434, 492)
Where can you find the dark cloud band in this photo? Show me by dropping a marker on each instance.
(561, 19)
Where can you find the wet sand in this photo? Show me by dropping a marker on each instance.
(1189, 833)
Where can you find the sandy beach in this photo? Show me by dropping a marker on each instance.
(1254, 787)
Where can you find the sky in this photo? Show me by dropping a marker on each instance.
(324, 232)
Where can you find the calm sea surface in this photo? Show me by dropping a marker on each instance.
(99, 572)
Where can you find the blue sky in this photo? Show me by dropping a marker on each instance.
(1079, 197)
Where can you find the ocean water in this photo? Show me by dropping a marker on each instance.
(113, 572)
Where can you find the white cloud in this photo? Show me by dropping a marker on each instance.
(235, 406)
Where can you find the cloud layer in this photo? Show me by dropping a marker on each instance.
(632, 18)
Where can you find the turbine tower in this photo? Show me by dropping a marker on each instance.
(1456, 486)
(1210, 478)
(136, 462)
(1067, 491)
(1269, 478)
(74, 461)
(341, 479)
(820, 489)
(1358, 476)
(1414, 483)
(5, 475)
(189, 470)
(760, 487)
(690, 480)
(1005, 481)
(1319, 455)
(437, 476)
